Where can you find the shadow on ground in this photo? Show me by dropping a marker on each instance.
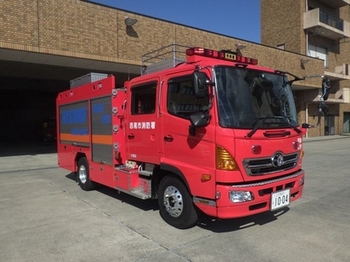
(26, 148)
(228, 225)
(146, 205)
(205, 222)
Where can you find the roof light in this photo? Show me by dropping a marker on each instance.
(223, 55)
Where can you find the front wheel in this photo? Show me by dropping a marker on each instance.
(175, 204)
(83, 176)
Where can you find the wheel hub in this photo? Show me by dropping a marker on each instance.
(82, 174)
(173, 201)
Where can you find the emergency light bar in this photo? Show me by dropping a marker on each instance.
(223, 55)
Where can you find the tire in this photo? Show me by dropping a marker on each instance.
(83, 176)
(175, 203)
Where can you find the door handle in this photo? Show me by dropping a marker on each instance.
(168, 138)
(131, 136)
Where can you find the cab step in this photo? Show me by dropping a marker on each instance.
(139, 193)
(134, 182)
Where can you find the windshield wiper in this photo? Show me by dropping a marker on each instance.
(290, 125)
(256, 125)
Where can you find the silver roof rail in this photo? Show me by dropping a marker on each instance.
(163, 58)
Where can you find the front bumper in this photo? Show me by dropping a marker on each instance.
(262, 195)
(261, 191)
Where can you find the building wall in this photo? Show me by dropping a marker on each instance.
(282, 24)
(81, 29)
(75, 28)
(279, 26)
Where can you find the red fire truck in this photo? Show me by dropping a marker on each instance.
(215, 134)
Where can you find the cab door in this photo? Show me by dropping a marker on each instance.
(142, 122)
(192, 154)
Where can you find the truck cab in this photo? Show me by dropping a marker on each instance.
(225, 127)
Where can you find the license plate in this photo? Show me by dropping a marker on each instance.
(280, 199)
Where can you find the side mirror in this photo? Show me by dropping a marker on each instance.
(198, 119)
(200, 84)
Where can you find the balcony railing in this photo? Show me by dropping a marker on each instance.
(331, 20)
(319, 22)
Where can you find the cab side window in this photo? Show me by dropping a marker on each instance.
(143, 99)
(181, 100)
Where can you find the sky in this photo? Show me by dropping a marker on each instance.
(235, 18)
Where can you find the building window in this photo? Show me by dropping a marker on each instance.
(318, 52)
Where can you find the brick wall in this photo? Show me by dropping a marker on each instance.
(79, 29)
(281, 23)
(18, 22)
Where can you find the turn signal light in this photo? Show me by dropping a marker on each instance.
(224, 160)
(205, 177)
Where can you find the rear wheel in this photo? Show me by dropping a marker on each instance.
(83, 175)
(175, 204)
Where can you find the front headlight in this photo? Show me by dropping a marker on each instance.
(240, 196)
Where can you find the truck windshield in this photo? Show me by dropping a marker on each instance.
(247, 97)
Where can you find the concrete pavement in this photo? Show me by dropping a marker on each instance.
(45, 216)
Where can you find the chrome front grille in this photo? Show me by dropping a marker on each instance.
(275, 163)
